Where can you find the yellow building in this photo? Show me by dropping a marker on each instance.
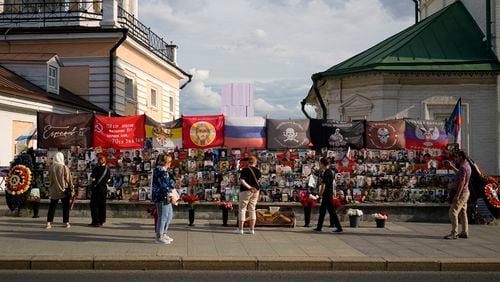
(105, 55)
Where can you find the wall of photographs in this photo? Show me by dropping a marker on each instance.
(362, 175)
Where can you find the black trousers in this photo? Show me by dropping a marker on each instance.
(326, 204)
(98, 207)
(52, 209)
(35, 205)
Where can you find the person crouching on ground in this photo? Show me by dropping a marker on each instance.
(326, 192)
(100, 176)
(60, 188)
(163, 183)
(458, 207)
(249, 195)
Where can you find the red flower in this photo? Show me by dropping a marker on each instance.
(307, 201)
(190, 199)
(336, 203)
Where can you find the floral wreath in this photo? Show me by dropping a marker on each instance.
(491, 190)
(18, 180)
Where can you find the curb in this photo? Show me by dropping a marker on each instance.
(249, 263)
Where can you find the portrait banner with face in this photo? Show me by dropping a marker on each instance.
(202, 131)
(165, 135)
(63, 131)
(423, 134)
(385, 135)
(119, 132)
(329, 133)
(287, 133)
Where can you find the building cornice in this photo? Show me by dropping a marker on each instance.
(169, 66)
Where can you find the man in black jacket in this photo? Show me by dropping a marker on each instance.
(326, 192)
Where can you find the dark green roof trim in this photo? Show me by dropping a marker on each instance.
(448, 41)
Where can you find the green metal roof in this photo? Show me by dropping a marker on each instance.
(448, 41)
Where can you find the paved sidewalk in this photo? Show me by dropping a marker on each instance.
(127, 243)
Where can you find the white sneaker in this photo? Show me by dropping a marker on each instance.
(162, 241)
(251, 231)
(238, 231)
(168, 238)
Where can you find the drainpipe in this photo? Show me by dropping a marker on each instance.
(416, 10)
(112, 69)
(189, 76)
(303, 108)
(488, 24)
(318, 95)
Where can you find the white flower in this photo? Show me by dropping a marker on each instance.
(354, 212)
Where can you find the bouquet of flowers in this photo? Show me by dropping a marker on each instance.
(190, 199)
(224, 205)
(309, 201)
(354, 212)
(382, 215)
(336, 203)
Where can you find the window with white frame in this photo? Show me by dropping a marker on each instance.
(154, 98)
(171, 103)
(53, 77)
(129, 88)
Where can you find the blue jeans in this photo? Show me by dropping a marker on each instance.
(165, 214)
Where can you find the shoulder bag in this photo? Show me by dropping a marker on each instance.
(101, 178)
(254, 177)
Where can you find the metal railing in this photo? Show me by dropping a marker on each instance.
(143, 34)
(49, 11)
(80, 13)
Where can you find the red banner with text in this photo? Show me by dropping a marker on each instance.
(119, 132)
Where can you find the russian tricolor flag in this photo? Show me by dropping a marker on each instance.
(454, 123)
(247, 132)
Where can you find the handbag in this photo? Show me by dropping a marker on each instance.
(174, 196)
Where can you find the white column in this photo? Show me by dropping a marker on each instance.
(109, 13)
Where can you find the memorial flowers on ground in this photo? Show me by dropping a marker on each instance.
(309, 201)
(224, 205)
(190, 200)
(354, 212)
(381, 216)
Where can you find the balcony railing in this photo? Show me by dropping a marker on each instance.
(46, 12)
(55, 13)
(144, 35)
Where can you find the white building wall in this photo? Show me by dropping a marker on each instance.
(6, 122)
(15, 109)
(143, 90)
(408, 100)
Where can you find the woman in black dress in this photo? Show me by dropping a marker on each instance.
(100, 176)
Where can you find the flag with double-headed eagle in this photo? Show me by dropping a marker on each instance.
(425, 134)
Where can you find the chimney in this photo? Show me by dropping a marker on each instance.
(109, 13)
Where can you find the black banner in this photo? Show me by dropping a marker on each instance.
(292, 133)
(64, 130)
(334, 134)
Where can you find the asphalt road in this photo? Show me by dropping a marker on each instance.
(184, 276)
